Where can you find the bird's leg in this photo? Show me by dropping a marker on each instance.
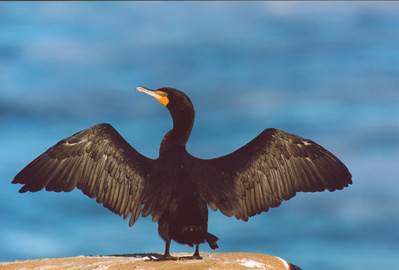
(196, 253)
(166, 256)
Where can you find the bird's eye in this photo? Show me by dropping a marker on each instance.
(165, 94)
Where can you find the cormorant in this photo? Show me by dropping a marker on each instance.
(176, 188)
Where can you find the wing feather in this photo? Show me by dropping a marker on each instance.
(97, 161)
(268, 170)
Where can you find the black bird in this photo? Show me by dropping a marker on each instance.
(176, 188)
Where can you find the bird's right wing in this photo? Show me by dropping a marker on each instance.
(97, 161)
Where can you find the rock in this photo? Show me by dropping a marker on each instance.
(146, 261)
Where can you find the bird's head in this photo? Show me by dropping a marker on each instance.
(174, 100)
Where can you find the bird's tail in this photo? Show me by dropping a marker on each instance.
(211, 239)
(195, 235)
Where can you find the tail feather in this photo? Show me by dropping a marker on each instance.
(193, 235)
(211, 239)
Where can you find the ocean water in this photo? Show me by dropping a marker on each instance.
(326, 71)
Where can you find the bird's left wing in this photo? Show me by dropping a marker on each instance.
(269, 169)
(97, 161)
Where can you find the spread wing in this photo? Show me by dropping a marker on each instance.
(97, 161)
(269, 169)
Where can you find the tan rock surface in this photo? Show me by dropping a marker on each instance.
(212, 261)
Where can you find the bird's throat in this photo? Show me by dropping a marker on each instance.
(177, 137)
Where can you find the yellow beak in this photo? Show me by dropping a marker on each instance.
(158, 95)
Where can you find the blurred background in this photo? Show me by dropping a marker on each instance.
(327, 71)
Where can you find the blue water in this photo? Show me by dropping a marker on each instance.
(323, 70)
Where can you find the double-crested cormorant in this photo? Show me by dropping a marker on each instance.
(176, 188)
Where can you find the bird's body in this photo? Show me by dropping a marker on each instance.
(185, 218)
(176, 188)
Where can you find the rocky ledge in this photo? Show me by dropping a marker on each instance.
(149, 261)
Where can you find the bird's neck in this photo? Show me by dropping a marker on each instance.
(177, 137)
